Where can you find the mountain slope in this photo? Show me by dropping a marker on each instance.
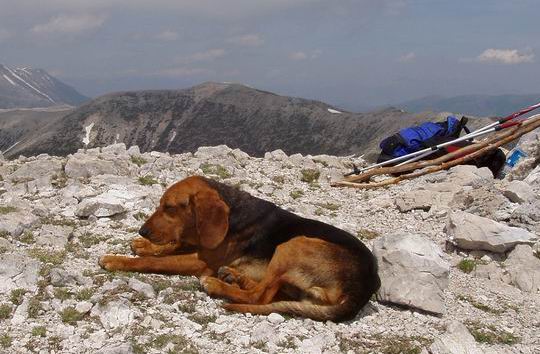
(478, 105)
(212, 114)
(27, 88)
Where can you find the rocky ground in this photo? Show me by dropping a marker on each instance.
(458, 255)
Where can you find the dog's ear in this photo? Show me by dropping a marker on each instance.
(212, 218)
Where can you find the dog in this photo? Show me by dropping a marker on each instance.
(260, 257)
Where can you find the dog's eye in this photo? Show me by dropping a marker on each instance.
(169, 208)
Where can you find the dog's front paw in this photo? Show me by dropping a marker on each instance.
(110, 262)
(211, 286)
(142, 247)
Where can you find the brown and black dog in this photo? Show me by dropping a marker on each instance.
(260, 257)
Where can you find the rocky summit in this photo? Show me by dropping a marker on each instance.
(458, 254)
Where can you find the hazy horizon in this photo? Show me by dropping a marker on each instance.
(351, 53)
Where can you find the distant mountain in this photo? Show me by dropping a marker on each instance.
(28, 88)
(211, 114)
(477, 105)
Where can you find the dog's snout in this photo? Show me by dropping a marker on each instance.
(144, 231)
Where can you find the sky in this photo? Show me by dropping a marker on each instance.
(350, 53)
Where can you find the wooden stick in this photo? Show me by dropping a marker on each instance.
(421, 164)
(521, 130)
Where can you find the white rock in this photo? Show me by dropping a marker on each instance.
(115, 149)
(518, 192)
(17, 222)
(456, 340)
(412, 270)
(54, 236)
(141, 287)
(474, 232)
(524, 269)
(84, 306)
(18, 271)
(276, 155)
(115, 313)
(134, 150)
(422, 199)
(122, 348)
(212, 151)
(275, 318)
(21, 313)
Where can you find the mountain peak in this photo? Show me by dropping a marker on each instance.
(26, 87)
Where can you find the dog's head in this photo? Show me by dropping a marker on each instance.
(189, 213)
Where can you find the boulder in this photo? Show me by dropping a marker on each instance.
(141, 287)
(119, 348)
(35, 170)
(276, 155)
(212, 151)
(456, 340)
(518, 192)
(18, 271)
(18, 221)
(54, 236)
(115, 313)
(412, 270)
(528, 213)
(524, 268)
(469, 175)
(422, 199)
(115, 149)
(472, 232)
(84, 166)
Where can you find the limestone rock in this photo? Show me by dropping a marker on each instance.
(122, 348)
(212, 151)
(17, 222)
(54, 236)
(456, 340)
(276, 155)
(115, 149)
(524, 269)
(412, 270)
(474, 232)
(18, 271)
(518, 192)
(115, 313)
(36, 170)
(80, 165)
(468, 175)
(422, 199)
(142, 287)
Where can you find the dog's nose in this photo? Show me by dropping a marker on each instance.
(144, 231)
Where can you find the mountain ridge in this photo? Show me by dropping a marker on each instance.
(210, 114)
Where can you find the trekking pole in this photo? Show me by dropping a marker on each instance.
(465, 137)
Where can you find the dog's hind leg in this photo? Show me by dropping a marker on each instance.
(284, 267)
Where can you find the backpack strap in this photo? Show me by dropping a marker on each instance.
(463, 124)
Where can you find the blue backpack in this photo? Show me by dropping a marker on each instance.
(419, 137)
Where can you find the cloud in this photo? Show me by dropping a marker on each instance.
(407, 58)
(206, 56)
(167, 36)
(181, 72)
(247, 40)
(70, 24)
(505, 56)
(300, 55)
(5, 35)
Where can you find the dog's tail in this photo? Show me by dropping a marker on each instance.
(339, 312)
